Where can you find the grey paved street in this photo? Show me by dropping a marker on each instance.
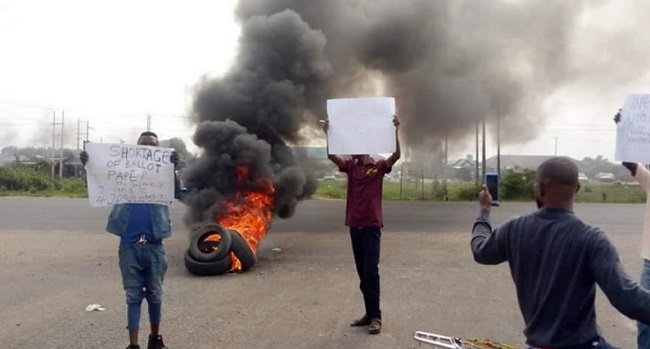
(55, 259)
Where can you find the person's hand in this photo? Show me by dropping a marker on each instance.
(396, 122)
(617, 117)
(326, 125)
(83, 157)
(174, 158)
(484, 198)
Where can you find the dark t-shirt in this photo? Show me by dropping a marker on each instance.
(556, 261)
(365, 187)
(140, 223)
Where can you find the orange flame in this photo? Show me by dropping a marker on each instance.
(249, 213)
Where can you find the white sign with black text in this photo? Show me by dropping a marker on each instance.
(633, 130)
(123, 173)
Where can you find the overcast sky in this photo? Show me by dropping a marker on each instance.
(114, 62)
(109, 62)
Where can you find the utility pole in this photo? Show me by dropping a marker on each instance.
(483, 153)
(444, 171)
(54, 124)
(148, 122)
(53, 140)
(498, 146)
(556, 145)
(79, 134)
(61, 148)
(476, 158)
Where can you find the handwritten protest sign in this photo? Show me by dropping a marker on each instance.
(361, 125)
(633, 130)
(122, 173)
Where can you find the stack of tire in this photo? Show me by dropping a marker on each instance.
(207, 258)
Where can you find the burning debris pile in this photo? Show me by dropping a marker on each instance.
(232, 243)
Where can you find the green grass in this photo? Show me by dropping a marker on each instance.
(332, 189)
(68, 188)
(466, 191)
(611, 193)
(456, 191)
(409, 191)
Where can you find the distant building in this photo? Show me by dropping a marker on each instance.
(15, 159)
(315, 158)
(463, 169)
(311, 152)
(509, 162)
(430, 160)
(72, 167)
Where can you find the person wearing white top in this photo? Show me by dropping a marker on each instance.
(642, 176)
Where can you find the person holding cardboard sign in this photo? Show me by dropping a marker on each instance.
(142, 228)
(642, 176)
(364, 218)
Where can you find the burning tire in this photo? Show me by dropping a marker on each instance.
(210, 243)
(242, 251)
(207, 268)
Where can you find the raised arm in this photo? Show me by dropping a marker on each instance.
(83, 157)
(179, 188)
(337, 160)
(398, 153)
(485, 241)
(624, 294)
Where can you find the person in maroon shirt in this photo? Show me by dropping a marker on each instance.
(364, 218)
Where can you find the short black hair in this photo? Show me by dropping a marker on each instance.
(559, 171)
(148, 133)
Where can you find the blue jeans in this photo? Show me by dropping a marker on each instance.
(143, 268)
(366, 243)
(643, 335)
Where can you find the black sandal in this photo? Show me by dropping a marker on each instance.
(375, 326)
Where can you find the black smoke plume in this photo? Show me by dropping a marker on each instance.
(248, 116)
(448, 63)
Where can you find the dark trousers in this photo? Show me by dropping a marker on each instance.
(598, 343)
(366, 243)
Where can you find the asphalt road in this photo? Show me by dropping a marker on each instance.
(55, 259)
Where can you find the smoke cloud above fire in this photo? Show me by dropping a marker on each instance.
(248, 117)
(447, 63)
